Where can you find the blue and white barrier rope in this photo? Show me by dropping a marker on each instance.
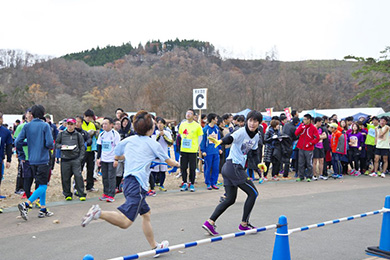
(335, 221)
(195, 243)
(154, 164)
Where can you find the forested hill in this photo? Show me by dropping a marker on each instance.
(159, 77)
(109, 54)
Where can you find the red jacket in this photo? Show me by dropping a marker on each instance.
(308, 137)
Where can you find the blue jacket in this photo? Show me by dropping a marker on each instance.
(39, 141)
(206, 146)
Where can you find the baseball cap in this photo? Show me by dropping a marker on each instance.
(334, 125)
(71, 120)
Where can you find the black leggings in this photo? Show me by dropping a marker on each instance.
(231, 194)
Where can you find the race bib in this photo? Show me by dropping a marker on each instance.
(187, 143)
(371, 132)
(106, 146)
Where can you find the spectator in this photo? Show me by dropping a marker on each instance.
(271, 141)
(89, 158)
(370, 142)
(319, 152)
(211, 153)
(107, 141)
(308, 137)
(382, 140)
(191, 134)
(72, 148)
(339, 148)
(5, 146)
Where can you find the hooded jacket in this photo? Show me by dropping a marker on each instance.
(308, 137)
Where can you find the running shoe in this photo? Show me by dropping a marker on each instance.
(83, 198)
(298, 179)
(335, 176)
(367, 172)
(383, 175)
(308, 180)
(151, 193)
(1, 210)
(37, 203)
(69, 198)
(352, 172)
(219, 183)
(162, 188)
(265, 179)
(209, 187)
(245, 228)
(340, 176)
(45, 213)
(210, 228)
(215, 187)
(103, 197)
(93, 214)
(192, 188)
(261, 181)
(163, 244)
(314, 178)
(357, 173)
(275, 178)
(23, 210)
(184, 187)
(178, 175)
(112, 199)
(322, 177)
(93, 190)
(373, 174)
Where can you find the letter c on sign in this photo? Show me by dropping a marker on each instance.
(199, 105)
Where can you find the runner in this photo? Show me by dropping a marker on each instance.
(39, 142)
(138, 151)
(233, 172)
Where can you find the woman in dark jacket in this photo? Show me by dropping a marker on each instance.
(251, 160)
(125, 130)
(271, 140)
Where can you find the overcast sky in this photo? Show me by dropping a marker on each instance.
(298, 30)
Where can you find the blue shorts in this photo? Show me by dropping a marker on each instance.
(135, 199)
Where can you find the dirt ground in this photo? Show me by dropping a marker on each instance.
(54, 190)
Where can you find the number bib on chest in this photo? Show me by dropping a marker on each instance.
(187, 143)
(106, 146)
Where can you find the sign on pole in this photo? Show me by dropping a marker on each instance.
(200, 98)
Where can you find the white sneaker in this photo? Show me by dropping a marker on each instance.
(323, 177)
(383, 175)
(373, 174)
(93, 214)
(178, 175)
(163, 244)
(314, 178)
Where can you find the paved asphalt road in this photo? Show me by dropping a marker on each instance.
(178, 216)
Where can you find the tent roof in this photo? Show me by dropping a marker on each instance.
(345, 112)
